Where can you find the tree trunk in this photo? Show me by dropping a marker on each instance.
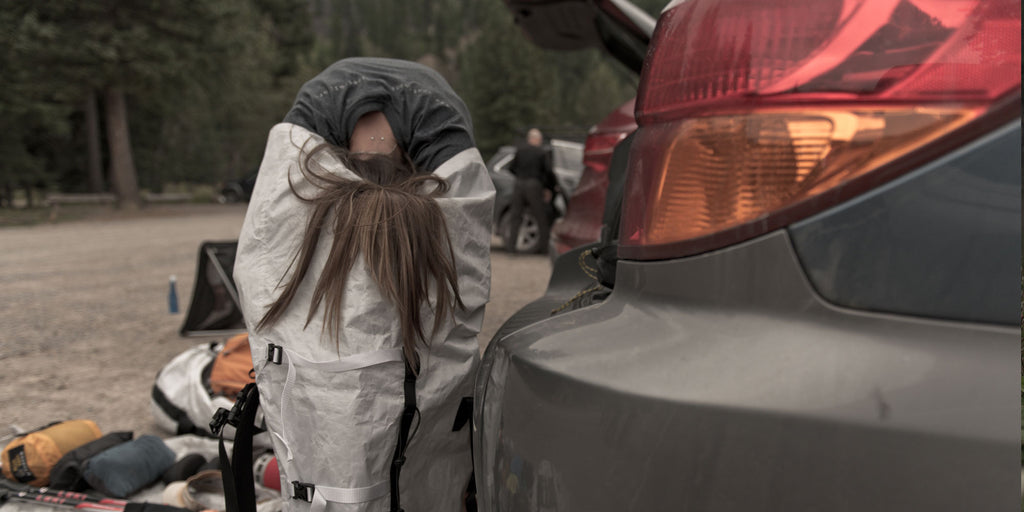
(122, 166)
(28, 195)
(92, 134)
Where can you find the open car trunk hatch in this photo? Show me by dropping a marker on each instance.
(617, 26)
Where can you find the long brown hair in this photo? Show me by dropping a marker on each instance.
(392, 220)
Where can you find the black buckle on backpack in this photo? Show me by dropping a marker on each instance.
(302, 491)
(225, 417)
(275, 353)
(220, 418)
(241, 403)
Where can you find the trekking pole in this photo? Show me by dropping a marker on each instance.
(30, 497)
(59, 494)
(76, 500)
(46, 491)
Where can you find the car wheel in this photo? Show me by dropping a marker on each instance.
(527, 240)
(227, 196)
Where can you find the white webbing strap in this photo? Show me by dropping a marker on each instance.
(287, 449)
(348, 363)
(323, 495)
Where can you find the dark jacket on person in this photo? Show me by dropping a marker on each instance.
(533, 162)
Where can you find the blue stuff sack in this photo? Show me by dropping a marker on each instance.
(126, 468)
(67, 473)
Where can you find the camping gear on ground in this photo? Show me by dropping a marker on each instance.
(75, 500)
(172, 295)
(232, 368)
(204, 491)
(214, 307)
(184, 468)
(182, 401)
(127, 468)
(173, 494)
(8, 433)
(182, 446)
(265, 471)
(325, 404)
(68, 499)
(30, 457)
(67, 473)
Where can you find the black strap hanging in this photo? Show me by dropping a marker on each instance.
(236, 471)
(463, 416)
(404, 428)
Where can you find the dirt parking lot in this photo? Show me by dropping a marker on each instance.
(84, 321)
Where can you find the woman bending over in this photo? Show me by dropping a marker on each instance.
(363, 268)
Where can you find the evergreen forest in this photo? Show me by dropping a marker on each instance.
(124, 96)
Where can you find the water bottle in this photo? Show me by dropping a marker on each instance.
(172, 296)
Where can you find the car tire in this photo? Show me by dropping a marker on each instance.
(527, 240)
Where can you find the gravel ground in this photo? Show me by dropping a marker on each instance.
(84, 322)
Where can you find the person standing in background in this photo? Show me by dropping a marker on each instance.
(535, 186)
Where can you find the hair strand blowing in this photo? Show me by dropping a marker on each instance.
(391, 219)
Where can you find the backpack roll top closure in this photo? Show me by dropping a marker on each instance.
(316, 395)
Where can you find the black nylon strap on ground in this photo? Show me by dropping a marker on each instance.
(184, 424)
(404, 427)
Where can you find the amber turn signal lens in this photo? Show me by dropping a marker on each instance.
(726, 171)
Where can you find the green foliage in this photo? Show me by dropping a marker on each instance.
(511, 85)
(508, 83)
(205, 81)
(214, 124)
(32, 112)
(503, 91)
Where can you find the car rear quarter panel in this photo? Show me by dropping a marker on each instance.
(937, 242)
(724, 382)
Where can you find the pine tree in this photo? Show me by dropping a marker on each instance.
(161, 58)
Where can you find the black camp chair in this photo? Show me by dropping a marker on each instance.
(214, 309)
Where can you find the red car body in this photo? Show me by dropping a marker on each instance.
(582, 221)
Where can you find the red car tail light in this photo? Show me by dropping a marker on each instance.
(755, 113)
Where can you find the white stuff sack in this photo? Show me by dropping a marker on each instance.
(181, 401)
